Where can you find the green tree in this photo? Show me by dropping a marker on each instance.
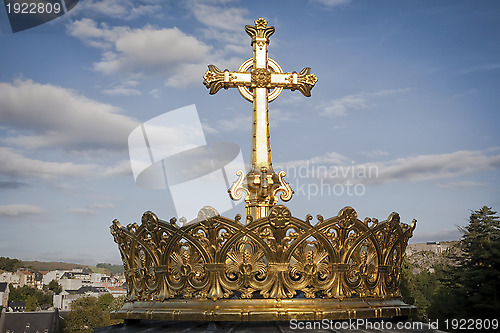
(406, 284)
(89, 313)
(87, 270)
(31, 303)
(10, 265)
(86, 315)
(105, 301)
(24, 292)
(470, 288)
(419, 289)
(117, 303)
(55, 287)
(20, 293)
(44, 298)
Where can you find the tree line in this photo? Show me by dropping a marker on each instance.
(9, 265)
(468, 286)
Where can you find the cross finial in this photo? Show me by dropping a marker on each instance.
(260, 80)
(260, 23)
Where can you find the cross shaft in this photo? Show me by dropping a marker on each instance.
(260, 80)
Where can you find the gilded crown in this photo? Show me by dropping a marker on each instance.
(275, 268)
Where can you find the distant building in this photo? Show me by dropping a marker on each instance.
(70, 284)
(104, 280)
(4, 294)
(26, 278)
(52, 275)
(64, 299)
(74, 280)
(117, 291)
(436, 247)
(10, 278)
(29, 322)
(38, 281)
(425, 256)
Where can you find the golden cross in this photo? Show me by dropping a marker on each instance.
(260, 80)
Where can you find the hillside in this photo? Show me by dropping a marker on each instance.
(50, 266)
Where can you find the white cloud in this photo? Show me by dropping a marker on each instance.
(462, 184)
(119, 9)
(390, 92)
(120, 90)
(343, 105)
(104, 205)
(20, 210)
(331, 3)
(207, 128)
(187, 74)
(335, 168)
(164, 46)
(90, 33)
(220, 17)
(278, 117)
(88, 211)
(240, 122)
(82, 211)
(14, 165)
(144, 10)
(376, 153)
(243, 122)
(481, 68)
(224, 24)
(130, 83)
(438, 166)
(122, 168)
(146, 51)
(155, 93)
(331, 158)
(436, 236)
(290, 99)
(340, 106)
(46, 116)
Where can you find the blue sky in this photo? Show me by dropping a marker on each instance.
(406, 88)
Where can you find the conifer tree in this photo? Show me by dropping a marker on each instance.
(471, 287)
(480, 266)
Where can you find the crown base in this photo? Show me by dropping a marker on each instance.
(276, 268)
(265, 309)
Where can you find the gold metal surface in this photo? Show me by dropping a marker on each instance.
(332, 264)
(270, 266)
(260, 80)
(265, 309)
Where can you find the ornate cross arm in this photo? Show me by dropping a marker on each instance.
(215, 79)
(303, 81)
